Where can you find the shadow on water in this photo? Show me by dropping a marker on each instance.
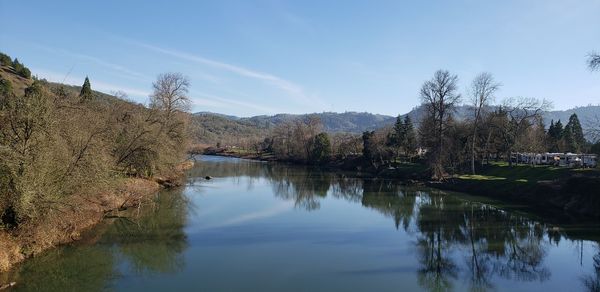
(457, 243)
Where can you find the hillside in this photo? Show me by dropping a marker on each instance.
(208, 128)
(349, 122)
(213, 127)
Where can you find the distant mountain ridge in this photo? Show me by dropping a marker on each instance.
(349, 122)
(358, 122)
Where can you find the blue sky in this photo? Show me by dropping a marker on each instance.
(264, 57)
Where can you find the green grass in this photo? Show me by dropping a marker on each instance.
(525, 173)
(480, 177)
(499, 177)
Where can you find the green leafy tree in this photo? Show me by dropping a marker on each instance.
(86, 90)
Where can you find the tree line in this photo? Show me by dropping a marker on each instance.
(55, 144)
(447, 145)
(17, 66)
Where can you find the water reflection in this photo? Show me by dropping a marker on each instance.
(592, 281)
(455, 239)
(145, 240)
(452, 242)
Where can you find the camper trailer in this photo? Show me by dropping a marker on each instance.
(556, 159)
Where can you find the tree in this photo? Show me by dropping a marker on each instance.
(439, 97)
(594, 61)
(169, 103)
(20, 69)
(170, 94)
(397, 136)
(410, 138)
(321, 148)
(482, 90)
(554, 136)
(573, 135)
(5, 60)
(522, 113)
(368, 145)
(86, 93)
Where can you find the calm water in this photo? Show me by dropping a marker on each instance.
(269, 227)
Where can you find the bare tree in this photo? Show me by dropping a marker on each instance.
(170, 94)
(482, 91)
(439, 96)
(522, 112)
(594, 61)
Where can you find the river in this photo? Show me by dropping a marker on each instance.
(272, 227)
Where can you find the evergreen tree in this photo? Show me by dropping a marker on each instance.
(368, 145)
(573, 135)
(397, 136)
(86, 90)
(555, 132)
(321, 150)
(409, 143)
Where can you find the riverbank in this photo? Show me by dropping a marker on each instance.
(548, 191)
(68, 220)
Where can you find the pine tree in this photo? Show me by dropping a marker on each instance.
(573, 135)
(410, 137)
(86, 90)
(399, 132)
(555, 132)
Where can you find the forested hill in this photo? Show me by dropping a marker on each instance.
(355, 122)
(349, 122)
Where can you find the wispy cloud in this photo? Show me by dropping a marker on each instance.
(96, 84)
(121, 70)
(205, 99)
(292, 90)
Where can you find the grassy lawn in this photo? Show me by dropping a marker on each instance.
(525, 173)
(499, 176)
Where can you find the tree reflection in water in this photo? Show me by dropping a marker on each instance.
(592, 282)
(154, 241)
(454, 240)
(150, 238)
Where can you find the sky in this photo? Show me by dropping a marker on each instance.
(259, 57)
